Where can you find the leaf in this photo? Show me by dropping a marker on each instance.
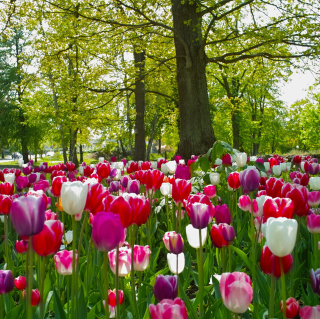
(204, 163)
(217, 151)
(206, 179)
(15, 313)
(187, 301)
(82, 305)
(209, 153)
(260, 166)
(58, 309)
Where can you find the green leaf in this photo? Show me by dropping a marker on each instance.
(204, 163)
(206, 179)
(82, 305)
(187, 301)
(217, 151)
(260, 166)
(58, 309)
(209, 153)
(15, 313)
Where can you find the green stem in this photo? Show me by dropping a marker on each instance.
(133, 285)
(1, 306)
(315, 243)
(167, 210)
(88, 262)
(283, 288)
(74, 274)
(223, 259)
(229, 249)
(178, 219)
(43, 276)
(30, 279)
(68, 295)
(117, 285)
(81, 236)
(6, 241)
(106, 283)
(271, 300)
(201, 276)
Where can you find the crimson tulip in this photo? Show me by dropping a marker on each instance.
(153, 179)
(140, 209)
(278, 207)
(222, 214)
(121, 207)
(35, 299)
(217, 237)
(103, 170)
(70, 166)
(274, 186)
(234, 180)
(6, 188)
(210, 191)
(226, 160)
(96, 194)
(57, 185)
(181, 189)
(21, 246)
(270, 263)
(20, 282)
(5, 204)
(48, 241)
(244, 203)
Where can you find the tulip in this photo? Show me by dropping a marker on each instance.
(292, 307)
(270, 263)
(234, 180)
(153, 179)
(112, 297)
(96, 194)
(122, 208)
(313, 223)
(278, 207)
(313, 168)
(308, 312)
(260, 202)
(228, 233)
(276, 170)
(241, 159)
(5, 204)
(199, 215)
(141, 257)
(6, 188)
(133, 187)
(165, 287)
(103, 170)
(176, 263)
(140, 207)
(166, 238)
(280, 234)
(28, 215)
(22, 183)
(236, 291)
(315, 280)
(171, 166)
(68, 237)
(9, 178)
(57, 183)
(107, 231)
(48, 241)
(41, 185)
(222, 214)
(20, 282)
(226, 160)
(124, 263)
(315, 183)
(176, 244)
(314, 198)
(249, 179)
(114, 187)
(164, 168)
(170, 309)
(6, 281)
(194, 238)
(217, 236)
(266, 166)
(166, 189)
(182, 172)
(210, 191)
(63, 262)
(244, 203)
(21, 246)
(180, 190)
(199, 198)
(35, 299)
(214, 178)
(274, 186)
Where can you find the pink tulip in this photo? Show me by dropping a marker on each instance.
(244, 203)
(169, 309)
(141, 257)
(124, 265)
(210, 191)
(314, 198)
(63, 262)
(308, 312)
(166, 238)
(181, 189)
(313, 223)
(236, 291)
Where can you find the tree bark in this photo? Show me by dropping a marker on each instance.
(196, 131)
(81, 154)
(140, 141)
(152, 133)
(73, 151)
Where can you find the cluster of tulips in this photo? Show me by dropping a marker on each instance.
(139, 235)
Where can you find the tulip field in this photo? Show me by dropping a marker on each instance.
(220, 236)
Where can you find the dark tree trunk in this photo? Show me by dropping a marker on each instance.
(73, 150)
(152, 133)
(196, 131)
(81, 154)
(124, 153)
(2, 154)
(159, 151)
(140, 141)
(23, 137)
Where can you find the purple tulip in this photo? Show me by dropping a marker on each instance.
(199, 215)
(228, 233)
(249, 179)
(22, 182)
(315, 280)
(107, 231)
(133, 186)
(41, 185)
(36, 169)
(26, 170)
(313, 168)
(114, 187)
(28, 215)
(176, 244)
(32, 178)
(124, 181)
(113, 173)
(222, 214)
(6, 281)
(182, 172)
(165, 287)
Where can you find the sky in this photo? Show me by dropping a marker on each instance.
(297, 88)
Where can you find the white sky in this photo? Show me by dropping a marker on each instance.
(297, 88)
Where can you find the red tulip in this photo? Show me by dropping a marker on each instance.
(103, 170)
(20, 282)
(70, 166)
(273, 187)
(96, 194)
(153, 179)
(35, 297)
(181, 189)
(234, 180)
(5, 204)
(121, 207)
(226, 160)
(277, 207)
(1, 176)
(140, 209)
(270, 263)
(21, 246)
(112, 297)
(6, 188)
(217, 237)
(57, 185)
(48, 241)
(292, 307)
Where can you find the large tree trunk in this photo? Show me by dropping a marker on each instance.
(140, 141)
(196, 131)
(73, 150)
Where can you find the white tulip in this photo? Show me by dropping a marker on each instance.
(9, 178)
(166, 189)
(283, 166)
(218, 161)
(193, 236)
(314, 183)
(68, 237)
(172, 263)
(164, 168)
(20, 162)
(276, 170)
(241, 159)
(81, 170)
(280, 234)
(73, 197)
(154, 165)
(171, 166)
(302, 166)
(101, 159)
(182, 162)
(266, 166)
(215, 178)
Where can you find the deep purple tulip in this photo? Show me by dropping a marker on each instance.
(6, 281)
(107, 231)
(249, 179)
(228, 233)
(182, 172)
(176, 244)
(199, 215)
(28, 215)
(26, 170)
(113, 173)
(315, 280)
(124, 181)
(222, 214)
(313, 168)
(22, 182)
(165, 287)
(32, 178)
(114, 187)
(133, 186)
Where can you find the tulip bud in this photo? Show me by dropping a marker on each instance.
(133, 187)
(176, 244)
(199, 215)
(315, 280)
(214, 178)
(171, 309)
(21, 246)
(166, 189)
(166, 238)
(249, 179)
(20, 282)
(292, 308)
(222, 214)
(141, 257)
(276, 170)
(35, 297)
(315, 183)
(228, 233)
(165, 287)
(244, 203)
(210, 191)
(241, 159)
(6, 281)
(308, 312)
(234, 181)
(314, 198)
(124, 263)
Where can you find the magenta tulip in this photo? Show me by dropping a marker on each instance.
(63, 262)
(308, 312)
(141, 257)
(314, 198)
(313, 223)
(223, 214)
(176, 244)
(199, 215)
(210, 191)
(124, 264)
(244, 203)
(169, 309)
